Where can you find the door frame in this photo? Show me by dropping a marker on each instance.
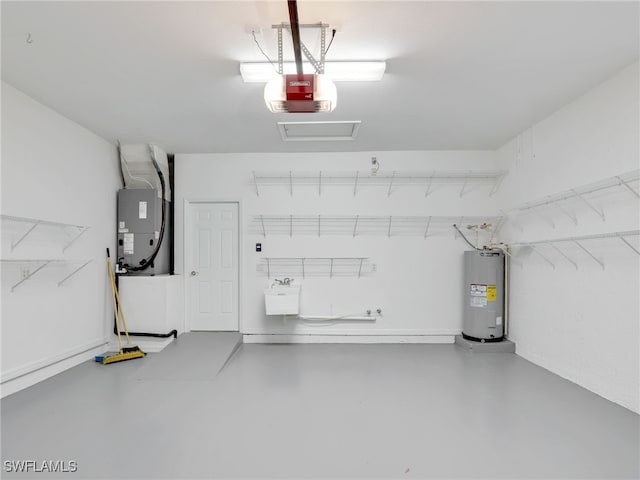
(186, 242)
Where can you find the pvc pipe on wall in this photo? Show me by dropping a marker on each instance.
(341, 317)
(505, 310)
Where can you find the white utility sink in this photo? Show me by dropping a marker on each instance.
(282, 299)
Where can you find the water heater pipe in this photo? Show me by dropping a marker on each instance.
(505, 308)
(341, 317)
(465, 238)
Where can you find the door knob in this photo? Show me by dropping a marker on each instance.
(193, 273)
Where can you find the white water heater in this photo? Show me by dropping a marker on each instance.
(483, 296)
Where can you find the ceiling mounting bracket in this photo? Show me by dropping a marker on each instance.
(318, 65)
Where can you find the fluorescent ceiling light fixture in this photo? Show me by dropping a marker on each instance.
(369, 71)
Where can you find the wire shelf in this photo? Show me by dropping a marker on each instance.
(361, 225)
(358, 179)
(582, 193)
(20, 229)
(303, 267)
(29, 267)
(578, 241)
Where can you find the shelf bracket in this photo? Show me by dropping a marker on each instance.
(464, 185)
(389, 231)
(264, 232)
(31, 274)
(290, 184)
(506, 219)
(573, 218)
(318, 226)
(545, 258)
(355, 185)
(290, 226)
(497, 183)
(542, 217)
(320, 183)
(600, 214)
(631, 189)
(589, 253)
(426, 193)
(393, 175)
(255, 183)
(84, 229)
(426, 230)
(17, 242)
(628, 244)
(331, 269)
(73, 273)
(355, 226)
(501, 221)
(360, 269)
(302, 260)
(563, 254)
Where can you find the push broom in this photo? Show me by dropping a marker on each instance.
(124, 353)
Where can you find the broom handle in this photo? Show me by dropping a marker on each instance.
(124, 323)
(113, 296)
(117, 296)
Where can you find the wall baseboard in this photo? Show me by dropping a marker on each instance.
(301, 338)
(26, 376)
(324, 330)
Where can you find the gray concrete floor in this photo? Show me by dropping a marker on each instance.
(319, 411)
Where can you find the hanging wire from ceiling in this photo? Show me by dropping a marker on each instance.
(333, 35)
(262, 51)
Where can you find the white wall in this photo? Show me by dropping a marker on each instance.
(418, 282)
(54, 170)
(581, 324)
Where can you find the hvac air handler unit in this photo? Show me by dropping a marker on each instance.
(144, 240)
(484, 296)
(141, 232)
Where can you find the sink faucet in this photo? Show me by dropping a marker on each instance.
(284, 281)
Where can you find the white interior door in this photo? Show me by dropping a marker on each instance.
(213, 271)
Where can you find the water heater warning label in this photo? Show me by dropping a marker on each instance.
(491, 293)
(478, 295)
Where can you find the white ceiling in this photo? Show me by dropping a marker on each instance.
(460, 75)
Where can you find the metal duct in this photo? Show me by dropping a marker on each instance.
(138, 170)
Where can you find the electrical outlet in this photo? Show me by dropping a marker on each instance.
(375, 165)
